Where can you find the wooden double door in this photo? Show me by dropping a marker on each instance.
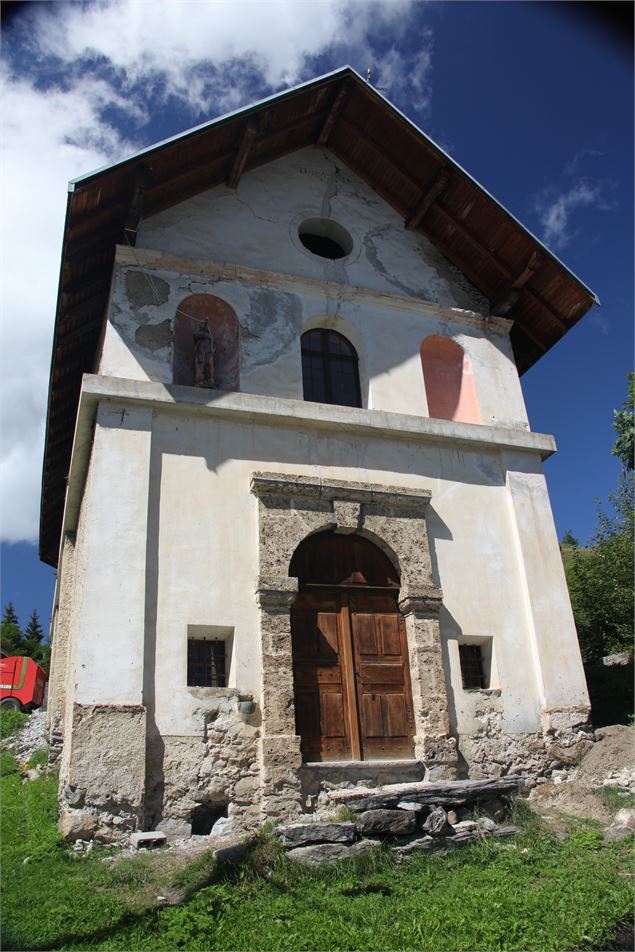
(353, 696)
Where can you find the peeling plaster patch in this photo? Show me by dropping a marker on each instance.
(142, 291)
(373, 257)
(122, 318)
(154, 336)
(275, 319)
(221, 766)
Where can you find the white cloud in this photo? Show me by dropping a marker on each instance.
(556, 210)
(77, 94)
(48, 137)
(205, 51)
(406, 77)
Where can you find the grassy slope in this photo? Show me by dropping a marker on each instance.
(534, 893)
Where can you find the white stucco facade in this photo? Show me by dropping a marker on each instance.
(161, 532)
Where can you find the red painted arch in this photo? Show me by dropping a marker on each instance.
(449, 381)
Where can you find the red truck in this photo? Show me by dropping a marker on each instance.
(21, 683)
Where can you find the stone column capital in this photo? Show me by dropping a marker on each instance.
(421, 602)
(276, 592)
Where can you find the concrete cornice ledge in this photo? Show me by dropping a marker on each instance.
(308, 487)
(278, 411)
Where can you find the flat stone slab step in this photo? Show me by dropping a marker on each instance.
(320, 853)
(315, 854)
(347, 774)
(302, 834)
(453, 793)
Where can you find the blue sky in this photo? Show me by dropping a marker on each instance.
(534, 100)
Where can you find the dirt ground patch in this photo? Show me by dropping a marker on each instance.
(608, 766)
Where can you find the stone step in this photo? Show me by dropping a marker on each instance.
(368, 774)
(453, 793)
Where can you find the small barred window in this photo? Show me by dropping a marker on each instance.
(472, 667)
(206, 664)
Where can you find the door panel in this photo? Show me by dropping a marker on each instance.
(366, 635)
(372, 716)
(383, 681)
(320, 691)
(390, 639)
(351, 675)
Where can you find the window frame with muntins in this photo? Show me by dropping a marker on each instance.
(326, 356)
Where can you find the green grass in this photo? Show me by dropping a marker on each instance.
(534, 893)
(616, 799)
(11, 722)
(39, 758)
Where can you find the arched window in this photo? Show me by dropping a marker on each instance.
(449, 382)
(329, 368)
(212, 321)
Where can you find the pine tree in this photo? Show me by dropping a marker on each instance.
(34, 645)
(10, 632)
(10, 615)
(34, 629)
(33, 634)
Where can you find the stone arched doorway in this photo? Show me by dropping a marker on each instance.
(291, 509)
(352, 688)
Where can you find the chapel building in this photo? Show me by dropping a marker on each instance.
(300, 521)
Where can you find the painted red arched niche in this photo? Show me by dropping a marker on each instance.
(191, 315)
(449, 381)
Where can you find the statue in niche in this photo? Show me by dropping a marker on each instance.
(203, 357)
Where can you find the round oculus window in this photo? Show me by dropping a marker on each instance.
(325, 238)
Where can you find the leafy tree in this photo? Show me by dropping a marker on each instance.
(569, 539)
(600, 579)
(624, 426)
(10, 631)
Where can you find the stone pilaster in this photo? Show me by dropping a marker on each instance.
(280, 746)
(433, 745)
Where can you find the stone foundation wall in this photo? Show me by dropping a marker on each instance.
(220, 769)
(492, 751)
(115, 784)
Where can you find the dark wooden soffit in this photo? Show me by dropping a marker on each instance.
(346, 115)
